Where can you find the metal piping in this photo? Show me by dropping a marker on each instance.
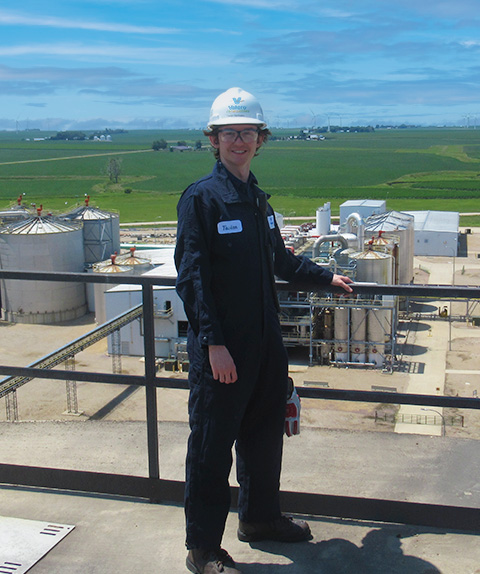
(360, 228)
(326, 239)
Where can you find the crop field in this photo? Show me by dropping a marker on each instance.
(412, 169)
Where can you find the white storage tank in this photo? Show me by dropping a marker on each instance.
(42, 244)
(110, 267)
(373, 267)
(387, 244)
(323, 220)
(101, 231)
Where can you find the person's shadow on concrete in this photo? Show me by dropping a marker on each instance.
(379, 553)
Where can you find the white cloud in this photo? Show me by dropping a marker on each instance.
(16, 19)
(300, 6)
(179, 57)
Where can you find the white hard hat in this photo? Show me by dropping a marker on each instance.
(236, 106)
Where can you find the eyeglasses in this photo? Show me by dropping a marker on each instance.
(248, 135)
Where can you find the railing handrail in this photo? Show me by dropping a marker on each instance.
(433, 292)
(157, 489)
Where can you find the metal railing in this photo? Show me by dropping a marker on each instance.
(157, 489)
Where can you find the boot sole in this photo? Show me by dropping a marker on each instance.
(259, 537)
(191, 566)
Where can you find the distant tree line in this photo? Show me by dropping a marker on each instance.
(78, 135)
(69, 135)
(395, 127)
(335, 129)
(162, 144)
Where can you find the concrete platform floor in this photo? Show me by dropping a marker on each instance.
(114, 535)
(135, 537)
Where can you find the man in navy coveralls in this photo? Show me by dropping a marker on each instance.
(229, 250)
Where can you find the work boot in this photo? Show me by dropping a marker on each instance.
(284, 529)
(211, 562)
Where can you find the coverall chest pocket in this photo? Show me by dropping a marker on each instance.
(231, 237)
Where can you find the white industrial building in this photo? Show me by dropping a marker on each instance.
(170, 320)
(364, 207)
(436, 232)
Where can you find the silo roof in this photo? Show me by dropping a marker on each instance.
(389, 221)
(132, 260)
(39, 226)
(371, 254)
(111, 268)
(89, 213)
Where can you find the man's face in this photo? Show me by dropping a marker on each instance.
(237, 145)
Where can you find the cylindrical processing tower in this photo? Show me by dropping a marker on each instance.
(358, 335)
(323, 220)
(341, 334)
(378, 333)
(101, 231)
(42, 244)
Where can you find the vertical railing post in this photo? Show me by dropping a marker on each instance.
(150, 388)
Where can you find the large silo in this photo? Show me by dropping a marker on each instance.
(101, 231)
(42, 244)
(400, 225)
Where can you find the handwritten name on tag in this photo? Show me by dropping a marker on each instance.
(226, 227)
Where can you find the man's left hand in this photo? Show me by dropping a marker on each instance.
(343, 282)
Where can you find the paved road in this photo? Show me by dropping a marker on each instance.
(76, 157)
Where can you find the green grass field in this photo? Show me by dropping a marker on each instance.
(414, 169)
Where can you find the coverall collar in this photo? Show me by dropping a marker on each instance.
(233, 185)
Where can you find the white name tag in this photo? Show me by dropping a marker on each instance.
(271, 221)
(225, 227)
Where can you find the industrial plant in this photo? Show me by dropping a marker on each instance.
(370, 245)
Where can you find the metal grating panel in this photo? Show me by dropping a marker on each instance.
(24, 542)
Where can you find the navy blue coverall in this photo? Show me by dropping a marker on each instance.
(228, 249)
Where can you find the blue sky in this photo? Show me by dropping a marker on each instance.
(86, 64)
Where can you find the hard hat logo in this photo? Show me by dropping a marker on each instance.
(237, 108)
(245, 109)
